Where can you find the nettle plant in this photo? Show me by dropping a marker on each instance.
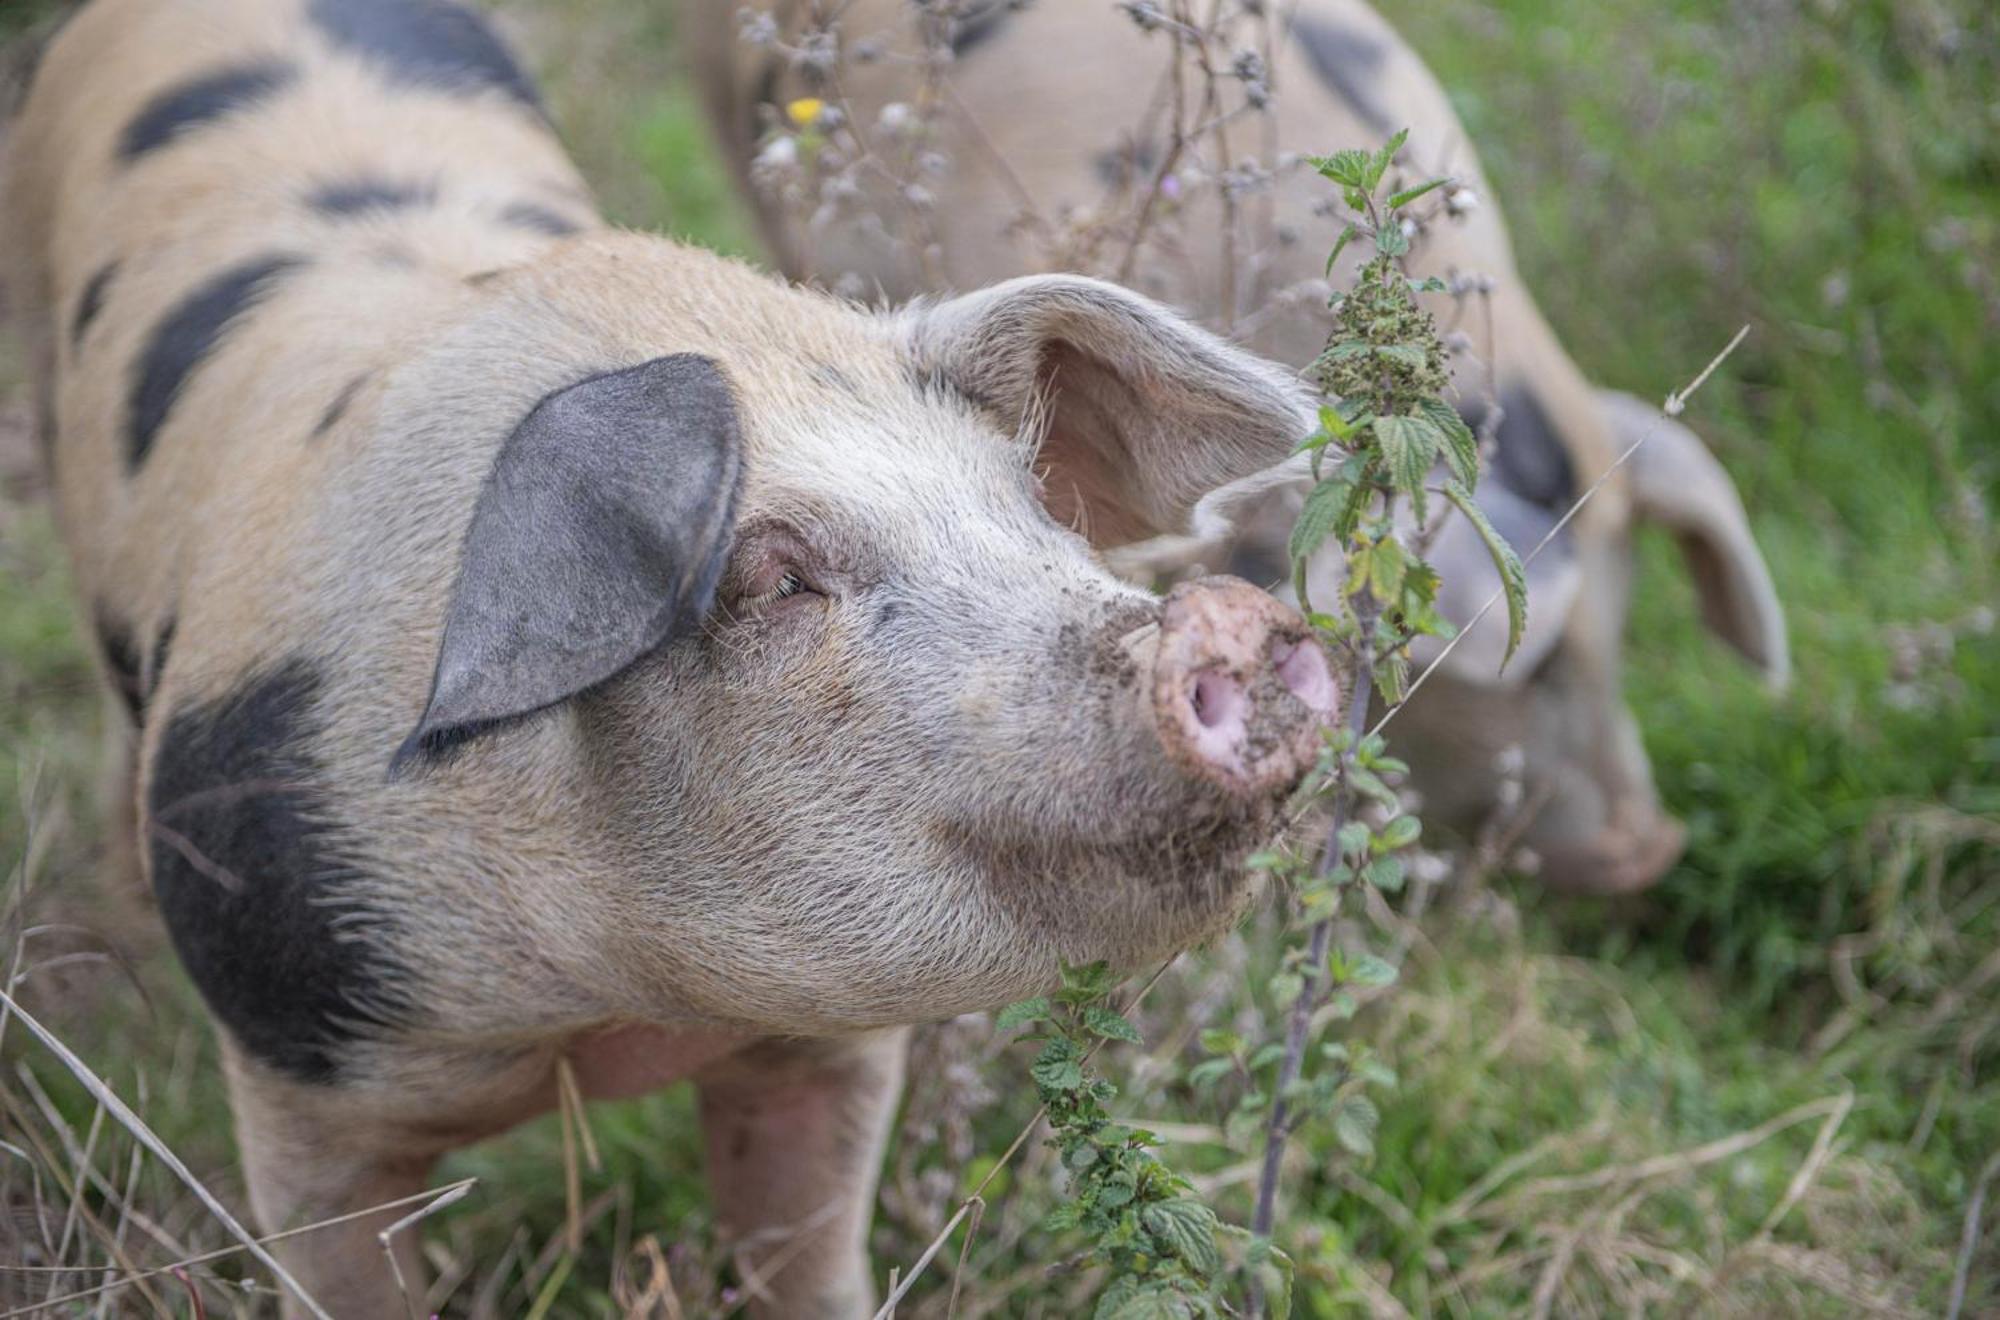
(1386, 444)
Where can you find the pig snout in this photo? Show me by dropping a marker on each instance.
(1241, 689)
(1623, 858)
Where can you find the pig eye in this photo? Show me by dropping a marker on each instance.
(790, 583)
(769, 576)
(773, 586)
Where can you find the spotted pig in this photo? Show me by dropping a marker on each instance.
(543, 645)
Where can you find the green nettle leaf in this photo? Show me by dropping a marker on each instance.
(1057, 1068)
(1400, 833)
(1065, 1216)
(1392, 675)
(1090, 979)
(1365, 781)
(1187, 1228)
(1322, 513)
(1365, 969)
(1409, 355)
(1117, 1190)
(1155, 1299)
(1379, 164)
(1208, 1072)
(1348, 168)
(1513, 577)
(1021, 1014)
(1112, 1026)
(1342, 351)
(1385, 873)
(1399, 200)
(1375, 1072)
(1386, 567)
(1391, 241)
(1216, 1040)
(1409, 445)
(1355, 1124)
(1347, 235)
(1461, 446)
(1081, 1158)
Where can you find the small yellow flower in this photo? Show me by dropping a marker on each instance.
(805, 110)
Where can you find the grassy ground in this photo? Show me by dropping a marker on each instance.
(1767, 1088)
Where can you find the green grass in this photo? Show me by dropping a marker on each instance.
(1829, 174)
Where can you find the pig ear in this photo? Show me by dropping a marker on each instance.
(1151, 425)
(1676, 482)
(599, 533)
(1469, 581)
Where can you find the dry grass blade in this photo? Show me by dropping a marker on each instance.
(964, 1250)
(1680, 1161)
(1968, 1238)
(387, 1237)
(660, 1287)
(1815, 1160)
(575, 1129)
(218, 1254)
(137, 1127)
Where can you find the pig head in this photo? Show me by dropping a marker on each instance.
(545, 648)
(1051, 127)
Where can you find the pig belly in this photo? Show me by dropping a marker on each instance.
(620, 1062)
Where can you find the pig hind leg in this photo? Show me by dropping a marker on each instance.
(795, 1132)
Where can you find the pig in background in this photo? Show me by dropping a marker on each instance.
(539, 645)
(1048, 125)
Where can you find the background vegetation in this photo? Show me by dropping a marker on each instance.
(1767, 1087)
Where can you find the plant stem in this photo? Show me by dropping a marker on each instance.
(1360, 687)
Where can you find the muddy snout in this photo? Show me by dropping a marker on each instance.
(1241, 689)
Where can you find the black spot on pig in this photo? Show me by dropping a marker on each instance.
(45, 423)
(1348, 63)
(91, 302)
(123, 663)
(539, 219)
(204, 100)
(186, 338)
(431, 44)
(341, 403)
(1529, 457)
(1123, 166)
(1260, 561)
(255, 883)
(979, 25)
(156, 663)
(360, 196)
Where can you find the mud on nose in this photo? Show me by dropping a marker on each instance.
(1241, 689)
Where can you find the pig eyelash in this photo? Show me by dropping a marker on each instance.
(790, 584)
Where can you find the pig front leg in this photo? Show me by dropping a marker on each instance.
(309, 1157)
(795, 1132)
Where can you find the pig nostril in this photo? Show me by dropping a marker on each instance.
(1304, 670)
(1218, 700)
